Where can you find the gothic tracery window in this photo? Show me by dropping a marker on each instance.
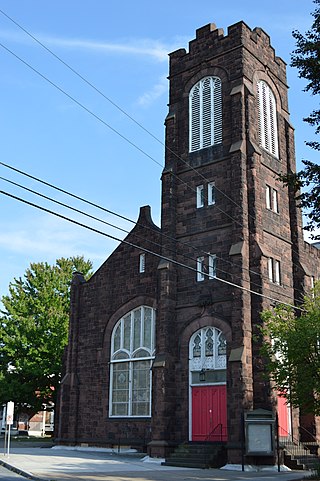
(208, 349)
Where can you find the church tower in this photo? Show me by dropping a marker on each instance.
(226, 216)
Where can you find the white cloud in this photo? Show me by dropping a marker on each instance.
(154, 93)
(130, 47)
(48, 239)
(137, 47)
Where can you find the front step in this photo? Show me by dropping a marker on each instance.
(306, 462)
(197, 455)
(296, 456)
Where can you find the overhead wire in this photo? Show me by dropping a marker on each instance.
(184, 244)
(107, 124)
(62, 204)
(219, 269)
(124, 112)
(97, 117)
(112, 102)
(124, 241)
(93, 204)
(132, 144)
(120, 109)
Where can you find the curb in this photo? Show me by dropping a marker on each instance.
(25, 474)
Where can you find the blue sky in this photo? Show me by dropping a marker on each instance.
(121, 48)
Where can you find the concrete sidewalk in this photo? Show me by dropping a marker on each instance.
(61, 464)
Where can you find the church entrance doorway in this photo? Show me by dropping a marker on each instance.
(208, 393)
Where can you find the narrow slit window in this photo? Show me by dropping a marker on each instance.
(211, 193)
(270, 269)
(274, 271)
(272, 199)
(312, 286)
(275, 203)
(212, 266)
(268, 197)
(277, 274)
(142, 263)
(200, 196)
(200, 269)
(206, 267)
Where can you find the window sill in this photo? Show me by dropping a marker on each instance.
(134, 418)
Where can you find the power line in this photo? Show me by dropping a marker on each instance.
(185, 244)
(33, 37)
(89, 215)
(97, 117)
(109, 126)
(37, 179)
(173, 261)
(112, 102)
(80, 104)
(101, 220)
(124, 230)
(105, 123)
(63, 204)
(124, 241)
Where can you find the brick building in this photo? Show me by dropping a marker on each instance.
(159, 353)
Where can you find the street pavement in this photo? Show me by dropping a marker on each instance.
(60, 464)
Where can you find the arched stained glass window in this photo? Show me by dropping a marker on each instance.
(132, 351)
(267, 110)
(205, 114)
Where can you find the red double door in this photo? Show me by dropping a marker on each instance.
(209, 413)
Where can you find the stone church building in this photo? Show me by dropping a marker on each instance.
(162, 346)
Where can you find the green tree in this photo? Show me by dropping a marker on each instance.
(306, 182)
(34, 332)
(293, 351)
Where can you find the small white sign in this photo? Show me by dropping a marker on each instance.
(10, 410)
(259, 438)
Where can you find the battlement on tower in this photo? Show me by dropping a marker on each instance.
(211, 43)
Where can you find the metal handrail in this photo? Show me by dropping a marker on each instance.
(294, 447)
(219, 425)
(315, 440)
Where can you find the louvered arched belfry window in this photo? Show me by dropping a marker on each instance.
(205, 114)
(268, 130)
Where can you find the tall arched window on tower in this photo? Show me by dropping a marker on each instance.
(267, 109)
(132, 351)
(205, 114)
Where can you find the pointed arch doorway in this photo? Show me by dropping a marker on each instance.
(208, 393)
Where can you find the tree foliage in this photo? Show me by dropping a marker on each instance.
(306, 58)
(34, 332)
(293, 351)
